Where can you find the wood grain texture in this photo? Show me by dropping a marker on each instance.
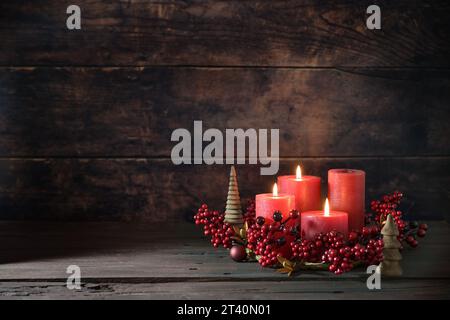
(157, 190)
(86, 116)
(239, 290)
(131, 260)
(140, 252)
(131, 112)
(226, 33)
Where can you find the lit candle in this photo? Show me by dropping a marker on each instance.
(268, 203)
(326, 220)
(346, 190)
(306, 190)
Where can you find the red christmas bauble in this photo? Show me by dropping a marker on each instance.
(237, 253)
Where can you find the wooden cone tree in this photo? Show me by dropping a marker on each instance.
(390, 266)
(233, 209)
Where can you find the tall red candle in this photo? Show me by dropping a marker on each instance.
(314, 222)
(306, 190)
(268, 203)
(346, 191)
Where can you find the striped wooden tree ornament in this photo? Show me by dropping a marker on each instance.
(390, 266)
(233, 209)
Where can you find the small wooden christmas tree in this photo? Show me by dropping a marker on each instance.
(391, 255)
(233, 209)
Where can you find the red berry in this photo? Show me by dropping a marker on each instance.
(421, 233)
(365, 231)
(353, 236)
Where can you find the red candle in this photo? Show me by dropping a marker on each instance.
(314, 222)
(346, 191)
(306, 190)
(268, 203)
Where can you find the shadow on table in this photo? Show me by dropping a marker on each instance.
(21, 242)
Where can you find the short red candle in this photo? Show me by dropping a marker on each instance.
(314, 222)
(306, 190)
(268, 203)
(346, 191)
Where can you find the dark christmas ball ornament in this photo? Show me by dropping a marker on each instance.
(260, 220)
(237, 253)
(277, 216)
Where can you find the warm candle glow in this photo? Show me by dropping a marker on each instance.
(326, 210)
(275, 190)
(298, 174)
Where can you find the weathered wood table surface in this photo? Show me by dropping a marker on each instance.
(120, 260)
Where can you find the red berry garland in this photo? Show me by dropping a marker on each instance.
(280, 243)
(331, 248)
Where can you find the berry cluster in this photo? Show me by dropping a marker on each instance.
(338, 260)
(414, 230)
(312, 250)
(250, 213)
(306, 250)
(214, 226)
(340, 254)
(389, 205)
(269, 240)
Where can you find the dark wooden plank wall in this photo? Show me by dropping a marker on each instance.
(86, 116)
(226, 33)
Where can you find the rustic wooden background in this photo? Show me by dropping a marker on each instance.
(86, 116)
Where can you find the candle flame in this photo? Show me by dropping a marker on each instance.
(326, 210)
(298, 174)
(275, 190)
